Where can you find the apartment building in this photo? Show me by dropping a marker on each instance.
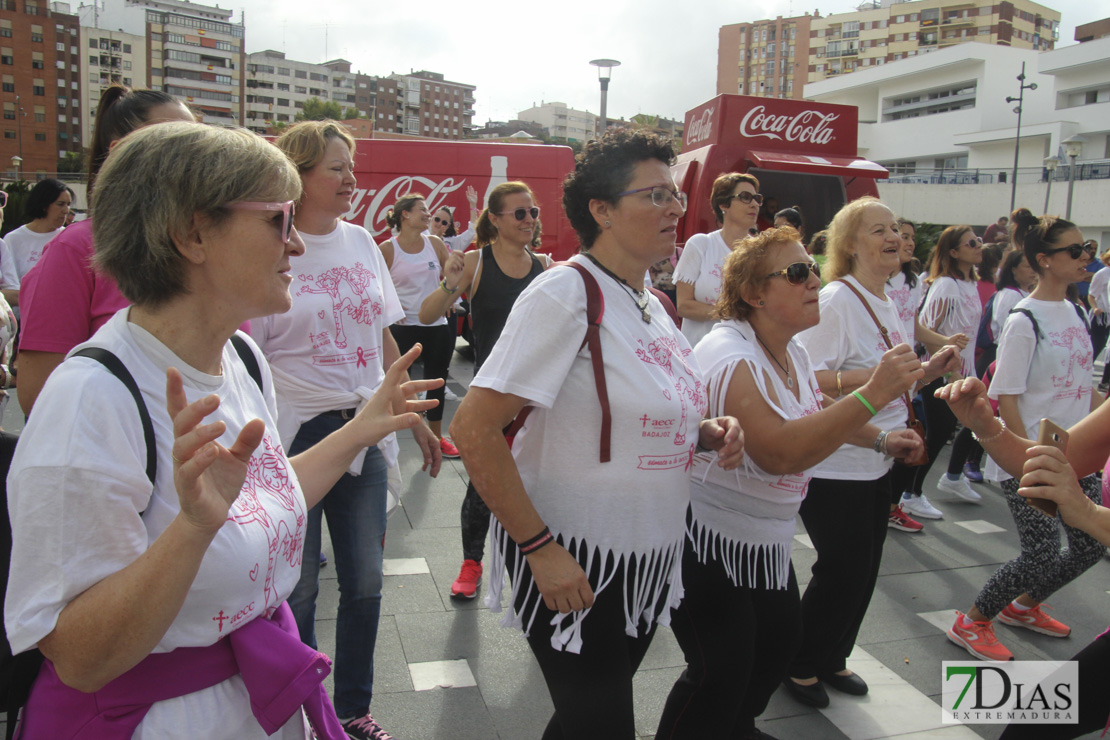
(40, 48)
(108, 57)
(776, 58)
(194, 51)
(429, 105)
(277, 87)
(766, 58)
(561, 121)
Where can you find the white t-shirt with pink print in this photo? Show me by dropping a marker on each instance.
(1050, 374)
(701, 265)
(847, 339)
(634, 506)
(954, 307)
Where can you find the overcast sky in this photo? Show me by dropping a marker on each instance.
(518, 54)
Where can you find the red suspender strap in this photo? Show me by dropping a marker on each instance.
(595, 309)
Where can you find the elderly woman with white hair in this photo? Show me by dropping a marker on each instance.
(171, 543)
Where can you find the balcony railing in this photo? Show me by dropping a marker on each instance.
(1093, 170)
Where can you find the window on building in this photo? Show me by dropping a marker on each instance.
(40, 136)
(300, 74)
(38, 87)
(9, 134)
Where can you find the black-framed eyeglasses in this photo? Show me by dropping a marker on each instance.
(287, 211)
(798, 273)
(1075, 251)
(745, 197)
(661, 195)
(520, 213)
(445, 221)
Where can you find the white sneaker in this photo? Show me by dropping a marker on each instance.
(920, 507)
(449, 395)
(960, 487)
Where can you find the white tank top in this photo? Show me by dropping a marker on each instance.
(415, 276)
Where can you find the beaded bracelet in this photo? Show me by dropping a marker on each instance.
(994, 436)
(530, 546)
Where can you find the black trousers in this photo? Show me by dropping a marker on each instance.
(1094, 698)
(437, 344)
(939, 425)
(738, 642)
(592, 690)
(475, 524)
(847, 522)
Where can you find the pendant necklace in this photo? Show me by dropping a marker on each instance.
(786, 369)
(639, 297)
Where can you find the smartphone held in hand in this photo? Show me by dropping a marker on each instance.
(1056, 436)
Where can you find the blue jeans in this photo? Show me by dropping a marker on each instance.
(356, 511)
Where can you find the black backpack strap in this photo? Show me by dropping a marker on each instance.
(1082, 315)
(1029, 315)
(246, 354)
(117, 368)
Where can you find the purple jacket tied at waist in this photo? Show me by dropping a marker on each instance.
(281, 674)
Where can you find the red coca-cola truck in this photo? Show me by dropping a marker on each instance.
(803, 154)
(441, 171)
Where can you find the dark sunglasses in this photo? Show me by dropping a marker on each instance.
(745, 197)
(798, 273)
(3, 198)
(520, 213)
(444, 221)
(286, 208)
(1075, 251)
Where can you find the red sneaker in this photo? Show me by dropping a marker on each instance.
(1034, 619)
(449, 451)
(901, 520)
(978, 639)
(466, 585)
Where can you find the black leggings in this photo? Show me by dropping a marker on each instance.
(939, 424)
(1094, 688)
(437, 344)
(738, 642)
(847, 522)
(475, 524)
(592, 690)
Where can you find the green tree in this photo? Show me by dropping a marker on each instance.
(351, 113)
(13, 212)
(71, 162)
(319, 110)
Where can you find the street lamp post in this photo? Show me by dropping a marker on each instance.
(17, 161)
(604, 73)
(1073, 147)
(1050, 164)
(1017, 139)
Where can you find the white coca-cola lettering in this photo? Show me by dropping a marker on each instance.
(700, 128)
(435, 194)
(807, 127)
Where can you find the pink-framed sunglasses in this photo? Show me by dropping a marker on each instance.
(286, 208)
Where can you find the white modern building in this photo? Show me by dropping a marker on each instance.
(562, 122)
(194, 51)
(943, 127)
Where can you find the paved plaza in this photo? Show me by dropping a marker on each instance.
(447, 670)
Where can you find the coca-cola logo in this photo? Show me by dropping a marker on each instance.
(807, 127)
(373, 215)
(700, 128)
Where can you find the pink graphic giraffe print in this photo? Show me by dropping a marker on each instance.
(348, 289)
(662, 352)
(268, 477)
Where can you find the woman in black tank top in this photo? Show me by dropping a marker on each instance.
(493, 276)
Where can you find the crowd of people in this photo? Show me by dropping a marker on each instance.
(229, 358)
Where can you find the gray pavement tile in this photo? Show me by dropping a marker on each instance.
(810, 726)
(459, 714)
(412, 594)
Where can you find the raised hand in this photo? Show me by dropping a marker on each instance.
(1048, 475)
(472, 197)
(453, 270)
(968, 400)
(378, 418)
(944, 361)
(208, 476)
(897, 372)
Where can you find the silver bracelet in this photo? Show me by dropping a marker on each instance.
(994, 436)
(880, 442)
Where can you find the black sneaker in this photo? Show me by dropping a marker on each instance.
(365, 728)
